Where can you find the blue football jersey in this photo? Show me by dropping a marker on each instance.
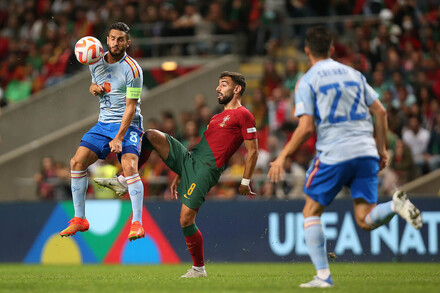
(338, 97)
(116, 78)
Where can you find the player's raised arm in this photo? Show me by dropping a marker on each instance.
(305, 129)
(251, 160)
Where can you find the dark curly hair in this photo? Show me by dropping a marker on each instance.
(237, 78)
(120, 26)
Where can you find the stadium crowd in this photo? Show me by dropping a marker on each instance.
(398, 52)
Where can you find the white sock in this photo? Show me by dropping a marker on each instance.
(323, 273)
(136, 191)
(79, 183)
(199, 269)
(122, 180)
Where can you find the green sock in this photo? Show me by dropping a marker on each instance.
(190, 230)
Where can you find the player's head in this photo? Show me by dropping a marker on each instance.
(319, 42)
(230, 84)
(118, 39)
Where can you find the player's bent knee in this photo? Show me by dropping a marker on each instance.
(153, 135)
(129, 171)
(186, 221)
(76, 165)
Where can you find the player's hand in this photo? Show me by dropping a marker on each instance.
(173, 187)
(383, 160)
(115, 146)
(276, 170)
(245, 190)
(96, 89)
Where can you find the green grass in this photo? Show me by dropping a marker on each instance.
(258, 277)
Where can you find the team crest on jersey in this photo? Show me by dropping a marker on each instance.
(107, 87)
(223, 124)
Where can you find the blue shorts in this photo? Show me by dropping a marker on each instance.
(98, 137)
(323, 182)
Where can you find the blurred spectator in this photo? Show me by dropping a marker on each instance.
(291, 74)
(220, 24)
(190, 135)
(53, 180)
(417, 138)
(432, 156)
(270, 78)
(292, 187)
(379, 84)
(205, 117)
(168, 124)
(267, 191)
(187, 22)
(402, 164)
(279, 108)
(45, 188)
(259, 109)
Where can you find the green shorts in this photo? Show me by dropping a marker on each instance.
(197, 178)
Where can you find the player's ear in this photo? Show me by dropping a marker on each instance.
(331, 51)
(307, 50)
(128, 43)
(237, 89)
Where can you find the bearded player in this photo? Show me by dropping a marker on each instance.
(117, 81)
(200, 169)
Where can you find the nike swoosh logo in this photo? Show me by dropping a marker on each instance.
(185, 196)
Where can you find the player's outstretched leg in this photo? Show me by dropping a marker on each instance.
(407, 210)
(315, 242)
(384, 212)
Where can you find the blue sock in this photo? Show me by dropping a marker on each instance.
(136, 191)
(380, 215)
(79, 182)
(315, 242)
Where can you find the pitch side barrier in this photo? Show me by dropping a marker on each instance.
(234, 231)
(66, 115)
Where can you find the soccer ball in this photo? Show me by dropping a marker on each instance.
(88, 50)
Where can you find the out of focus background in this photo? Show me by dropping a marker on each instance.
(182, 46)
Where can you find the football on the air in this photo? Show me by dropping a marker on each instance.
(88, 50)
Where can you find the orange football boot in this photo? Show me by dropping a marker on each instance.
(136, 231)
(76, 224)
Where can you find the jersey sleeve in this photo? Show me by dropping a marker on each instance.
(304, 99)
(92, 73)
(370, 94)
(247, 124)
(134, 80)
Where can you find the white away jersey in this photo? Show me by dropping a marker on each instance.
(115, 79)
(338, 97)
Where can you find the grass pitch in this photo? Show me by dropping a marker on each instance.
(250, 277)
